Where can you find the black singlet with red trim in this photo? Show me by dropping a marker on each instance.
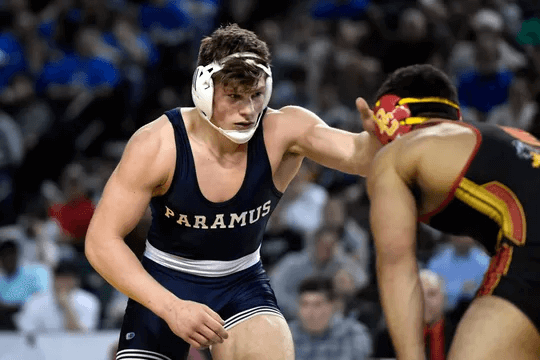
(497, 195)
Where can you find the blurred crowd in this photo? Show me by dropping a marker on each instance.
(78, 77)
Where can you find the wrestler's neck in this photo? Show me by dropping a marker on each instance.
(202, 132)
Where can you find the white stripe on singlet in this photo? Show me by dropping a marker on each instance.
(249, 313)
(135, 354)
(208, 268)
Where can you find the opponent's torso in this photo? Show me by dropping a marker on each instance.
(186, 224)
(498, 195)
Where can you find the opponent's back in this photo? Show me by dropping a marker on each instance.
(497, 194)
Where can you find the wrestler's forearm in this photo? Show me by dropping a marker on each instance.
(117, 264)
(402, 302)
(366, 146)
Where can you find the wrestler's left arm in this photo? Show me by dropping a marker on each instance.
(393, 223)
(334, 148)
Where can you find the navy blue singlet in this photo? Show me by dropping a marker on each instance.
(186, 224)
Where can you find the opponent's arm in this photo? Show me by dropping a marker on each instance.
(334, 148)
(393, 223)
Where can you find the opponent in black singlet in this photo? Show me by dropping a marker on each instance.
(496, 201)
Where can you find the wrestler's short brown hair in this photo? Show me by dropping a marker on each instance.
(228, 40)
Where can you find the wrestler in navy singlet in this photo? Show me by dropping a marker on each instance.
(496, 200)
(204, 251)
(186, 224)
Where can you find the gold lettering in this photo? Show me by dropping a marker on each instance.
(219, 221)
(266, 208)
(535, 160)
(200, 222)
(236, 218)
(168, 212)
(251, 212)
(183, 220)
(383, 119)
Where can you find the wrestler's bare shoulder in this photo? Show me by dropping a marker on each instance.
(151, 150)
(290, 121)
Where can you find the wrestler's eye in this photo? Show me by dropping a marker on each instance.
(258, 94)
(235, 96)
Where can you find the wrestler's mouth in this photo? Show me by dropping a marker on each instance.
(244, 125)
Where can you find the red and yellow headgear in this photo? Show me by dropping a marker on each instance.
(395, 116)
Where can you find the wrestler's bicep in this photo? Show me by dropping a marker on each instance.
(131, 186)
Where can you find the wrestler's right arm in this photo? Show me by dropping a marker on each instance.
(142, 172)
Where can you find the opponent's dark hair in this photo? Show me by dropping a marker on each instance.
(418, 81)
(317, 284)
(228, 40)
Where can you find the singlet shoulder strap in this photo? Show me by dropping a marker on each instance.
(183, 149)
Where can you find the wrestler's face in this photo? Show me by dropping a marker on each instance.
(238, 108)
(316, 310)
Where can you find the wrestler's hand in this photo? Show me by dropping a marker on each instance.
(196, 324)
(367, 116)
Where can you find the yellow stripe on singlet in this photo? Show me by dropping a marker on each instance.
(508, 214)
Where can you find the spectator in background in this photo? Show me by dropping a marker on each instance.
(321, 333)
(323, 257)
(439, 328)
(487, 28)
(42, 235)
(520, 110)
(66, 308)
(303, 203)
(18, 282)
(485, 68)
(138, 55)
(12, 60)
(412, 33)
(355, 239)
(330, 108)
(73, 210)
(461, 265)
(11, 157)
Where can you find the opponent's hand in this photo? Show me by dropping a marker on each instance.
(196, 324)
(367, 116)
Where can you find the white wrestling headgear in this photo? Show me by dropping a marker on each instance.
(202, 92)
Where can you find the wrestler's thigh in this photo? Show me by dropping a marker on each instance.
(262, 337)
(492, 329)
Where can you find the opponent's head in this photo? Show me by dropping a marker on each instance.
(235, 58)
(412, 95)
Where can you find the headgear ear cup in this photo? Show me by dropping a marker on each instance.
(202, 88)
(202, 92)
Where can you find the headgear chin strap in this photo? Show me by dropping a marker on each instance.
(394, 116)
(202, 92)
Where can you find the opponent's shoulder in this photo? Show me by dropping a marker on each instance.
(403, 154)
(431, 139)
